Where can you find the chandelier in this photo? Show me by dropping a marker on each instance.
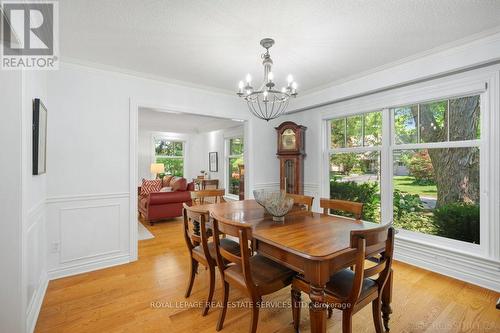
(266, 102)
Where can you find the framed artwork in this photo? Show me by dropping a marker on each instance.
(213, 162)
(39, 137)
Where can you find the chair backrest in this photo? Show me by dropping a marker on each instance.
(355, 208)
(200, 197)
(302, 200)
(225, 258)
(195, 229)
(368, 243)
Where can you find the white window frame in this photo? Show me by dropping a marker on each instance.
(483, 82)
(156, 137)
(227, 156)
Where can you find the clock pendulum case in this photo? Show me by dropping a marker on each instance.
(291, 153)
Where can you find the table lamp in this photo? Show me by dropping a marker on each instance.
(158, 169)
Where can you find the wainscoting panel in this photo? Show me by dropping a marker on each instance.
(100, 226)
(35, 263)
(87, 232)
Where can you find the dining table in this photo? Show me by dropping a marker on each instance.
(312, 244)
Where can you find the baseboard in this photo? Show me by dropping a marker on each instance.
(88, 266)
(478, 271)
(36, 304)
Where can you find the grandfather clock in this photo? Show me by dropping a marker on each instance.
(291, 153)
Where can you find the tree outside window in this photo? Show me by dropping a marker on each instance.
(235, 160)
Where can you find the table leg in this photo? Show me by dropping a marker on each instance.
(386, 301)
(317, 310)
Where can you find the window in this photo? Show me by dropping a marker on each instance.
(171, 154)
(436, 168)
(355, 144)
(235, 164)
(434, 148)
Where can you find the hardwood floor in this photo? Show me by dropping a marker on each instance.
(147, 296)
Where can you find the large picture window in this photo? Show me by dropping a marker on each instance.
(171, 154)
(435, 152)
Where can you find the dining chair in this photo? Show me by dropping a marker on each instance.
(355, 208)
(200, 197)
(255, 275)
(349, 290)
(303, 200)
(201, 250)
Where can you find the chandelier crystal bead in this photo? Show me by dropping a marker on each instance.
(267, 102)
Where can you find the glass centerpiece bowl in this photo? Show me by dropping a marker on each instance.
(274, 202)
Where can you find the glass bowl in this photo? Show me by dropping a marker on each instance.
(274, 202)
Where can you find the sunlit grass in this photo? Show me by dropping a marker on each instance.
(407, 184)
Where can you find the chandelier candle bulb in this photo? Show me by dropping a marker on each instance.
(270, 76)
(289, 79)
(249, 78)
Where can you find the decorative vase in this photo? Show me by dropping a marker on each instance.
(276, 203)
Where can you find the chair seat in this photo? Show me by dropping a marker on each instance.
(264, 272)
(225, 243)
(340, 285)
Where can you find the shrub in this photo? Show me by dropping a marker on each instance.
(406, 203)
(458, 221)
(420, 167)
(366, 193)
(415, 222)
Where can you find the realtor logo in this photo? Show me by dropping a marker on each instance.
(30, 35)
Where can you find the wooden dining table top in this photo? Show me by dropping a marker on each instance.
(307, 234)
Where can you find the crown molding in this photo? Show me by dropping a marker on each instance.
(144, 75)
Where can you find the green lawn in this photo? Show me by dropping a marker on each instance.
(405, 184)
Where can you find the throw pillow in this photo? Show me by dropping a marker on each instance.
(149, 186)
(178, 184)
(167, 180)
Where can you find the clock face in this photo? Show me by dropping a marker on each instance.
(288, 140)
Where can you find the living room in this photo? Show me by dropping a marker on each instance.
(332, 129)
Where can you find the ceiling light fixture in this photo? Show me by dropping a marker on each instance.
(266, 102)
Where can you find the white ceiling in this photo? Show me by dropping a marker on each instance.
(165, 121)
(215, 43)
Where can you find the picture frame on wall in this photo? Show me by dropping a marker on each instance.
(39, 137)
(213, 162)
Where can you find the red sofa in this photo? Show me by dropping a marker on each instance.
(158, 206)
